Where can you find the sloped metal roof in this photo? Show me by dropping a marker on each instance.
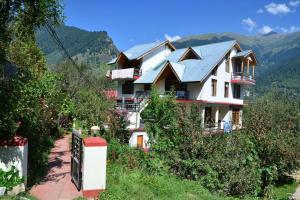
(138, 50)
(243, 53)
(193, 69)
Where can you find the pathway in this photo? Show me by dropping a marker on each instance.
(296, 195)
(57, 184)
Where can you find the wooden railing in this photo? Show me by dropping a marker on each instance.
(242, 76)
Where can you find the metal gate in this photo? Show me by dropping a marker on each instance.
(76, 159)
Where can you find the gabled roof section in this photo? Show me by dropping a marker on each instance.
(192, 70)
(138, 51)
(190, 51)
(245, 54)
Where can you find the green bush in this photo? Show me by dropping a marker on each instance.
(10, 178)
(244, 163)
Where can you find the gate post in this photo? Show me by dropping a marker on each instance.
(94, 166)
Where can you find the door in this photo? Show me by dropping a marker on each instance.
(236, 117)
(140, 141)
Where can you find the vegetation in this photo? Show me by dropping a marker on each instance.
(91, 48)
(246, 163)
(37, 103)
(10, 178)
(132, 174)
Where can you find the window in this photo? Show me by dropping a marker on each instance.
(213, 87)
(226, 89)
(214, 71)
(127, 87)
(227, 63)
(236, 91)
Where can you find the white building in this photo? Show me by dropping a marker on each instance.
(215, 76)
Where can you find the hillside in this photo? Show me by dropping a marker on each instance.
(90, 47)
(278, 56)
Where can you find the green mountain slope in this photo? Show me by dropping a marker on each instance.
(84, 46)
(278, 55)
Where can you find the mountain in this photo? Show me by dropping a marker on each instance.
(90, 47)
(278, 56)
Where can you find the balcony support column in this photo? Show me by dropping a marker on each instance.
(242, 67)
(253, 68)
(248, 66)
(217, 115)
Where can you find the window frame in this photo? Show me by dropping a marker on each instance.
(214, 83)
(226, 90)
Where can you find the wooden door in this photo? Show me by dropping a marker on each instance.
(235, 117)
(140, 141)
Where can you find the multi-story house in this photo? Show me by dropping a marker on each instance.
(215, 76)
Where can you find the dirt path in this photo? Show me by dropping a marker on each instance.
(57, 184)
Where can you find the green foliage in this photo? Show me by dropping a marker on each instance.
(160, 116)
(137, 184)
(10, 178)
(244, 163)
(90, 107)
(92, 47)
(274, 124)
(21, 18)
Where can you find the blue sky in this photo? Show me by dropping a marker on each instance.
(140, 21)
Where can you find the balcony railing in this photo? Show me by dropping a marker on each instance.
(142, 94)
(131, 107)
(124, 74)
(179, 94)
(242, 78)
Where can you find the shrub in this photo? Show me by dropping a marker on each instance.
(273, 123)
(10, 178)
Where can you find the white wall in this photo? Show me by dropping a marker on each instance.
(134, 119)
(133, 139)
(14, 156)
(222, 77)
(94, 168)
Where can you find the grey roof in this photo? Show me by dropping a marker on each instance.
(193, 69)
(243, 53)
(138, 50)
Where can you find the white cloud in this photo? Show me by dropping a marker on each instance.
(172, 38)
(265, 30)
(260, 10)
(291, 29)
(131, 40)
(276, 9)
(249, 24)
(294, 3)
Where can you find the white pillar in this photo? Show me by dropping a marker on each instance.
(94, 166)
(202, 112)
(217, 115)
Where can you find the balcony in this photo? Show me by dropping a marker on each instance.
(179, 94)
(242, 78)
(124, 74)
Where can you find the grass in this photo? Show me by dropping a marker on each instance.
(283, 192)
(137, 185)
